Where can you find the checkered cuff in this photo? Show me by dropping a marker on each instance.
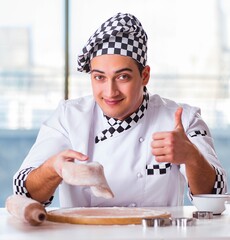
(20, 182)
(219, 185)
(19, 186)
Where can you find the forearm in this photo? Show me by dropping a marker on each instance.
(42, 182)
(200, 173)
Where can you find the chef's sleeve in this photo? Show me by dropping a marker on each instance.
(199, 134)
(52, 139)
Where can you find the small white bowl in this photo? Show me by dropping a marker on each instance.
(227, 206)
(214, 203)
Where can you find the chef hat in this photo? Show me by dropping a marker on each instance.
(121, 34)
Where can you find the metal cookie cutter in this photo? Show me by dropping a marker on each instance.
(202, 215)
(156, 222)
(184, 222)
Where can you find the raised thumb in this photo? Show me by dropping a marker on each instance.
(178, 121)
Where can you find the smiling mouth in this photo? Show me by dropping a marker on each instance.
(112, 102)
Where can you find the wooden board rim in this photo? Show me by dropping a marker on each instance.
(61, 215)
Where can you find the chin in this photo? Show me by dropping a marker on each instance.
(114, 114)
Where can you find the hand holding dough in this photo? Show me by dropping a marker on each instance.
(87, 174)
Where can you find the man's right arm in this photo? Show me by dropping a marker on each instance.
(41, 183)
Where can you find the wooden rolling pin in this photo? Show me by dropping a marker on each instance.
(26, 209)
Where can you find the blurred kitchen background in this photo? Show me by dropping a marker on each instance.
(189, 55)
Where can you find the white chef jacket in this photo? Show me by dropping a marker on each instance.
(132, 173)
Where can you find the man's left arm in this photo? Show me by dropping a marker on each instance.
(175, 147)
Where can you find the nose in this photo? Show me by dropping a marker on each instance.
(111, 89)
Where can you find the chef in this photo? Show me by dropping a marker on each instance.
(151, 148)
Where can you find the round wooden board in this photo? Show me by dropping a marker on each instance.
(104, 215)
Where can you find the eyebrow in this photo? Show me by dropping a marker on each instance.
(118, 71)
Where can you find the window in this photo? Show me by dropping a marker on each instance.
(31, 61)
(31, 77)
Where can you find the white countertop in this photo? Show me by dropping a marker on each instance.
(216, 228)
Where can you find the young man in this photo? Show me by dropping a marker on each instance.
(150, 147)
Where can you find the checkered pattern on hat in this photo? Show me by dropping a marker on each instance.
(117, 126)
(122, 34)
(158, 169)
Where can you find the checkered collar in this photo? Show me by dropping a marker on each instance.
(116, 126)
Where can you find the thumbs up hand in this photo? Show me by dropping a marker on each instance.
(172, 146)
(178, 122)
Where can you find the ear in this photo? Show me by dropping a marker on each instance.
(146, 75)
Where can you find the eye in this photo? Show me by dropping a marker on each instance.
(123, 77)
(98, 77)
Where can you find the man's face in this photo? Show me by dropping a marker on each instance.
(117, 84)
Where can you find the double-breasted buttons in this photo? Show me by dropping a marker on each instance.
(139, 175)
(141, 139)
